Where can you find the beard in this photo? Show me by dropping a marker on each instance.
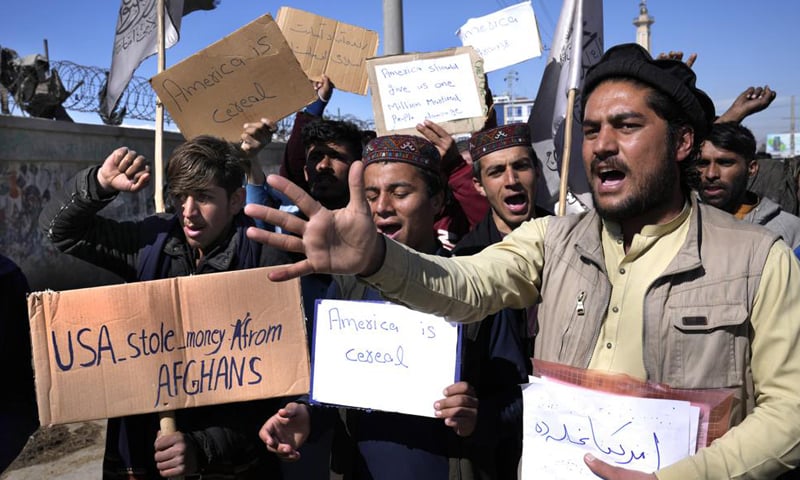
(651, 191)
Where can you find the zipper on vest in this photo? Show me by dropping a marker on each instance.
(579, 308)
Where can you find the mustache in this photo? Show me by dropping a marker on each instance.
(611, 163)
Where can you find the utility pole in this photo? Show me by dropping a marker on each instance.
(511, 77)
(792, 127)
(393, 27)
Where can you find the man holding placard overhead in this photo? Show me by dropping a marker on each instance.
(651, 284)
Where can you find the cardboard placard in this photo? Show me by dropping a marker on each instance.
(248, 75)
(323, 45)
(167, 344)
(382, 356)
(447, 87)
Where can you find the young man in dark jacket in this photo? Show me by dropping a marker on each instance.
(206, 234)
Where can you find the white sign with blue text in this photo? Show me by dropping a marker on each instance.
(381, 356)
(562, 423)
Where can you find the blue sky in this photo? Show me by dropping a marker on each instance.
(738, 43)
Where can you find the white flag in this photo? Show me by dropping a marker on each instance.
(577, 45)
(137, 39)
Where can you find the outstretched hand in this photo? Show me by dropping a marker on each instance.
(123, 171)
(678, 55)
(286, 431)
(750, 101)
(343, 241)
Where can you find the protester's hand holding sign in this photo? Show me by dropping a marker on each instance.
(342, 241)
(444, 143)
(608, 472)
(123, 171)
(459, 408)
(175, 456)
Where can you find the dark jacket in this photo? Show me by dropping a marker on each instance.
(496, 359)
(18, 416)
(149, 249)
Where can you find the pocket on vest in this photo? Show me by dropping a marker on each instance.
(706, 346)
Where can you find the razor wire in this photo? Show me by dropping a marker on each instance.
(138, 100)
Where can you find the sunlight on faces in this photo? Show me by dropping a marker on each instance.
(723, 177)
(207, 214)
(631, 168)
(508, 181)
(401, 207)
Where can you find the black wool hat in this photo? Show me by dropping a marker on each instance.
(672, 77)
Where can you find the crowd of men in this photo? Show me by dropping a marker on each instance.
(680, 275)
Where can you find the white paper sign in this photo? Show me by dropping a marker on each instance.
(438, 89)
(504, 38)
(561, 423)
(381, 356)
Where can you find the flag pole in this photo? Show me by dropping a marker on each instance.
(166, 419)
(159, 148)
(562, 191)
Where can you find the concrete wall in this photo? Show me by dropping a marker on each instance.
(37, 157)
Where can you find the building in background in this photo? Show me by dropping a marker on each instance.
(642, 23)
(512, 110)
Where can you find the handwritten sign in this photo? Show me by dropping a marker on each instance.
(504, 38)
(166, 344)
(561, 423)
(250, 74)
(323, 45)
(381, 356)
(447, 87)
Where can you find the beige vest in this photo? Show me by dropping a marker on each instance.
(696, 314)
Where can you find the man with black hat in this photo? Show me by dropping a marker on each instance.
(651, 284)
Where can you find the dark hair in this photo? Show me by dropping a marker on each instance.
(433, 183)
(733, 137)
(367, 136)
(323, 132)
(202, 162)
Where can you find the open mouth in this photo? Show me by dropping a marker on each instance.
(611, 177)
(192, 231)
(517, 203)
(389, 229)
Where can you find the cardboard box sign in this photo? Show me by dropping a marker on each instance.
(447, 87)
(323, 45)
(250, 74)
(167, 344)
